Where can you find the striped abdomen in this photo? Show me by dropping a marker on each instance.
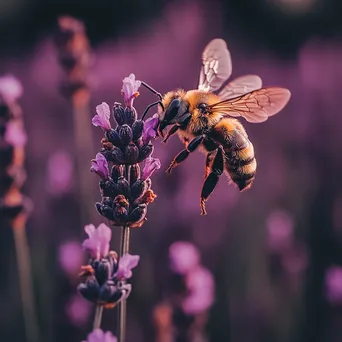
(240, 162)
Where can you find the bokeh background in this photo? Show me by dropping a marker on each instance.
(275, 250)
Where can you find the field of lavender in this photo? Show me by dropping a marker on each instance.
(99, 243)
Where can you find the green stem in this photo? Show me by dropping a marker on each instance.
(98, 317)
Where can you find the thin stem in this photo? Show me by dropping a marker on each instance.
(26, 288)
(98, 317)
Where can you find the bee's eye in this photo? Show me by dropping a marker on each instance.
(203, 108)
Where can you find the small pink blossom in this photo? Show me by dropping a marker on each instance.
(101, 119)
(200, 283)
(184, 257)
(15, 134)
(150, 129)
(99, 239)
(126, 263)
(151, 164)
(333, 284)
(98, 335)
(130, 88)
(10, 88)
(99, 165)
(70, 257)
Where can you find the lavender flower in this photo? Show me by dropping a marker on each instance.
(15, 134)
(99, 165)
(99, 239)
(70, 257)
(10, 89)
(150, 129)
(184, 257)
(126, 263)
(99, 336)
(333, 284)
(130, 89)
(101, 119)
(151, 164)
(126, 191)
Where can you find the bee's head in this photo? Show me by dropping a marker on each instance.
(174, 110)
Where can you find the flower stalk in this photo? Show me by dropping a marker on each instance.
(98, 317)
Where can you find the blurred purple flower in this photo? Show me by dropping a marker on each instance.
(280, 231)
(295, 260)
(126, 263)
(98, 335)
(184, 257)
(101, 119)
(201, 286)
(10, 88)
(60, 170)
(150, 129)
(98, 242)
(15, 134)
(70, 256)
(151, 164)
(99, 165)
(78, 310)
(333, 284)
(130, 88)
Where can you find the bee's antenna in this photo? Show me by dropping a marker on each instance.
(153, 90)
(150, 106)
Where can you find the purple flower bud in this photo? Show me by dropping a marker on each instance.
(117, 171)
(101, 119)
(150, 129)
(130, 89)
(113, 137)
(123, 186)
(90, 289)
(137, 129)
(138, 189)
(105, 211)
(98, 242)
(135, 173)
(126, 135)
(145, 151)
(117, 156)
(130, 115)
(99, 165)
(98, 335)
(120, 214)
(119, 113)
(109, 188)
(131, 154)
(151, 164)
(109, 293)
(126, 263)
(10, 89)
(15, 134)
(138, 214)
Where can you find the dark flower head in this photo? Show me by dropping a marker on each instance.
(126, 263)
(98, 242)
(151, 164)
(101, 119)
(130, 88)
(99, 165)
(150, 129)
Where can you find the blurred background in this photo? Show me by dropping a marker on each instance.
(275, 251)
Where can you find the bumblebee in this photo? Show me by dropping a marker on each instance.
(205, 120)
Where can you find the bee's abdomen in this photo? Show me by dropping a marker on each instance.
(240, 162)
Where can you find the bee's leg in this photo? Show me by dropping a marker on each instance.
(183, 121)
(153, 91)
(208, 161)
(181, 156)
(150, 106)
(212, 180)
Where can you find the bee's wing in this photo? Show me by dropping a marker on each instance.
(255, 106)
(216, 66)
(240, 86)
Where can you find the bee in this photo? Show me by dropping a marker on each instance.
(205, 119)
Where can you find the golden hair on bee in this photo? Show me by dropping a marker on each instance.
(204, 119)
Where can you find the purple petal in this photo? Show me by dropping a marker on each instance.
(101, 119)
(98, 242)
(10, 88)
(126, 263)
(130, 88)
(99, 165)
(98, 335)
(70, 256)
(150, 129)
(151, 164)
(15, 134)
(184, 257)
